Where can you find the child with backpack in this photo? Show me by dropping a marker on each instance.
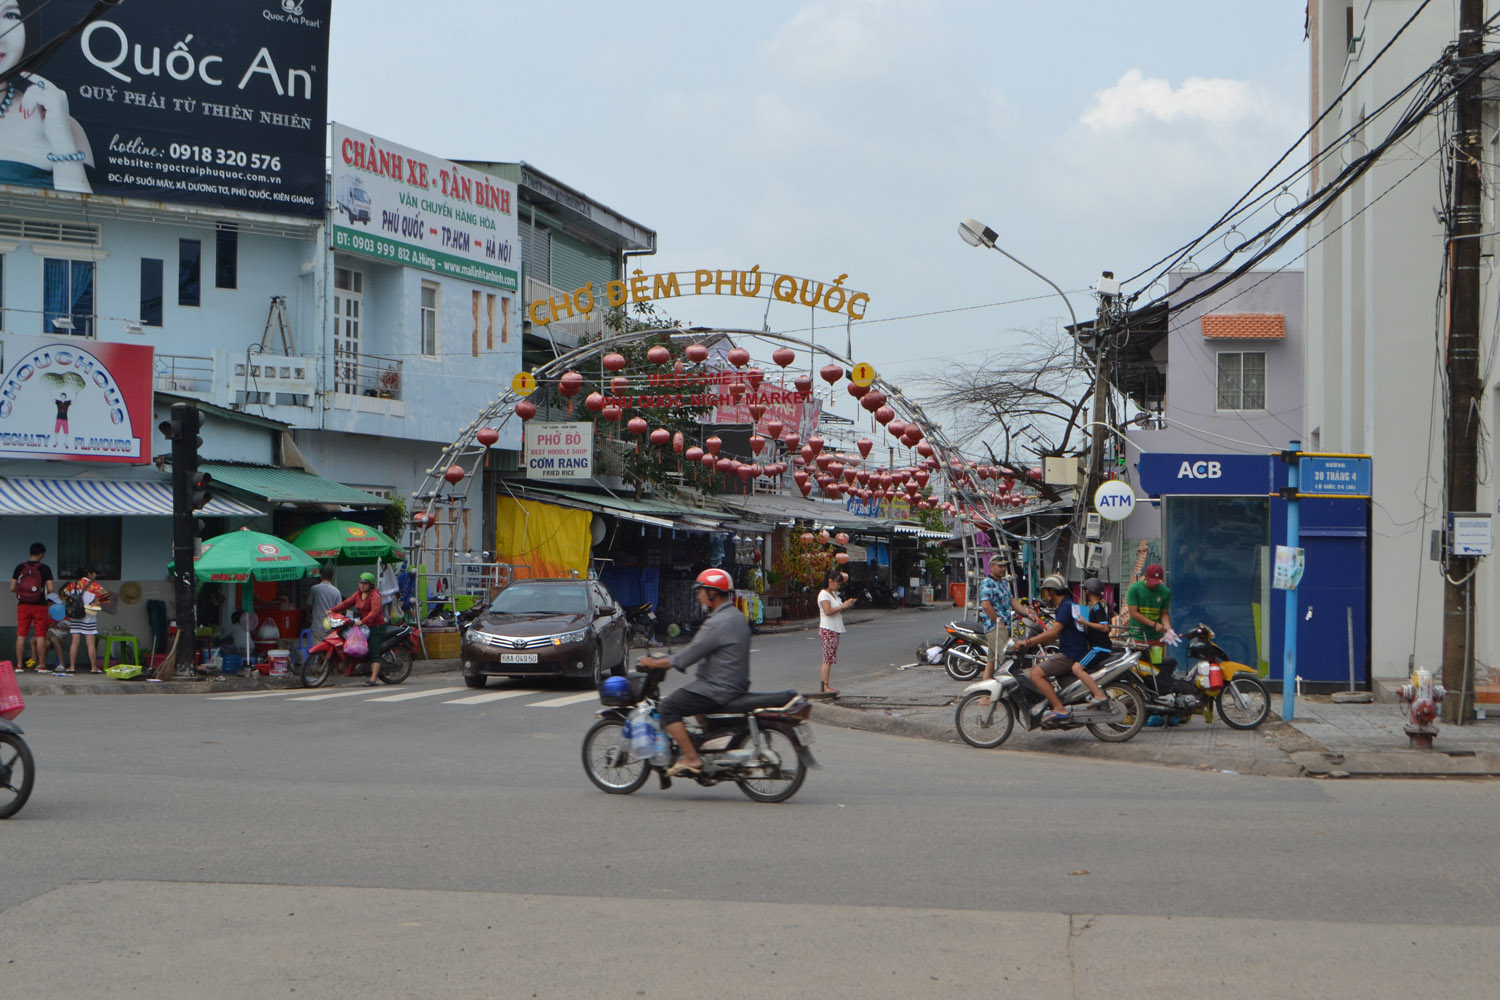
(82, 598)
(31, 583)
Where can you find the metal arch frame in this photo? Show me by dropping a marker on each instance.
(468, 454)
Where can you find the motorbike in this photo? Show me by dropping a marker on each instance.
(642, 621)
(397, 651)
(1213, 682)
(964, 650)
(1011, 695)
(17, 769)
(758, 741)
(877, 595)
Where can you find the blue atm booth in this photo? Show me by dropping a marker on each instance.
(1221, 518)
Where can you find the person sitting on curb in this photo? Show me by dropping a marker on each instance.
(1072, 643)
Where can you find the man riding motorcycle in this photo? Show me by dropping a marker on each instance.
(1073, 646)
(722, 643)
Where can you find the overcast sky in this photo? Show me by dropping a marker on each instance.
(826, 137)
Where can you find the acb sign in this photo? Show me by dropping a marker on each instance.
(1114, 500)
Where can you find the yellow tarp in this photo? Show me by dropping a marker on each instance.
(554, 541)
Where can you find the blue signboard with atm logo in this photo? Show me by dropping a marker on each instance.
(1177, 474)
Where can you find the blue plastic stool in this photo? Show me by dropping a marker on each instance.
(304, 643)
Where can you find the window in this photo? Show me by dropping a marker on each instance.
(189, 272)
(348, 303)
(151, 284)
(68, 297)
(88, 541)
(227, 256)
(429, 319)
(1242, 380)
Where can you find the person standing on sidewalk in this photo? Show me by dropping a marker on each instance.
(324, 596)
(88, 591)
(1149, 601)
(31, 583)
(997, 609)
(831, 605)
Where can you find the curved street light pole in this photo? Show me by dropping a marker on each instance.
(977, 234)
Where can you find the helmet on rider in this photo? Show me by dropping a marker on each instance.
(367, 578)
(714, 579)
(1056, 583)
(1094, 586)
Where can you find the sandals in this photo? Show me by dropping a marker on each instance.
(368, 684)
(682, 770)
(831, 692)
(1057, 716)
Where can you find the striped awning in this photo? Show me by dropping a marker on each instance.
(79, 497)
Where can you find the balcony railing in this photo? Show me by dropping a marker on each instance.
(184, 373)
(366, 375)
(567, 332)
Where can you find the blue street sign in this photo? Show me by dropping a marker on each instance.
(1334, 477)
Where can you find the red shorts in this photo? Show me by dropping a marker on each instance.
(29, 616)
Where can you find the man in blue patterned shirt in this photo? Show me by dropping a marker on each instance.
(997, 608)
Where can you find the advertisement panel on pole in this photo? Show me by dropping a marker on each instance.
(398, 205)
(219, 104)
(559, 451)
(79, 401)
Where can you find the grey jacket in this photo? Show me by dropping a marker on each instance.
(723, 646)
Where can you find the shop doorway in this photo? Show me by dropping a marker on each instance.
(1217, 553)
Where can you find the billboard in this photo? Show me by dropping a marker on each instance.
(215, 104)
(558, 451)
(75, 401)
(398, 205)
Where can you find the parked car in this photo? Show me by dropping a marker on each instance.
(558, 628)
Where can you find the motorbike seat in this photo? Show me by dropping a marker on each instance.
(746, 703)
(971, 626)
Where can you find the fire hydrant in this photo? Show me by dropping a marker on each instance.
(1423, 694)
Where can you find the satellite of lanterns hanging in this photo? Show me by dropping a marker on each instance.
(776, 449)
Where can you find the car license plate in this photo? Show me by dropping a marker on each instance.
(517, 657)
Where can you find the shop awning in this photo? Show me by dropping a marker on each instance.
(927, 534)
(274, 485)
(659, 513)
(80, 497)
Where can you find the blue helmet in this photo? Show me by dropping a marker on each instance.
(615, 686)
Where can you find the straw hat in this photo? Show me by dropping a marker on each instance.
(130, 592)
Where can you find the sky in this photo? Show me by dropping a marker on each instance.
(828, 137)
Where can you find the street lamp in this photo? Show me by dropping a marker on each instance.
(977, 234)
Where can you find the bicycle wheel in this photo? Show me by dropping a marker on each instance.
(1135, 714)
(781, 776)
(315, 670)
(1244, 703)
(983, 726)
(608, 763)
(17, 772)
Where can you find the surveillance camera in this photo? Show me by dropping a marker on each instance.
(1108, 284)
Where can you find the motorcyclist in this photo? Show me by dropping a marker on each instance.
(368, 610)
(1073, 645)
(722, 644)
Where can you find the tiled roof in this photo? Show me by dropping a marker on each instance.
(1244, 326)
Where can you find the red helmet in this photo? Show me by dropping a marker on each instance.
(715, 579)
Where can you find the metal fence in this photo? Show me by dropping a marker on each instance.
(184, 373)
(366, 375)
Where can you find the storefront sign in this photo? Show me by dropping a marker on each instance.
(1114, 500)
(398, 205)
(559, 451)
(1333, 477)
(1172, 474)
(897, 509)
(830, 297)
(219, 104)
(75, 400)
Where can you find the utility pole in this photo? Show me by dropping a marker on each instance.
(1108, 291)
(1462, 456)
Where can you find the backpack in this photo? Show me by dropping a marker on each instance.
(29, 582)
(73, 601)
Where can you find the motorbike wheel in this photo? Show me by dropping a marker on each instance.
(789, 775)
(1135, 714)
(1244, 703)
(961, 669)
(984, 726)
(395, 666)
(626, 773)
(315, 670)
(17, 772)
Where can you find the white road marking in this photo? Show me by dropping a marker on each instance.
(480, 699)
(335, 694)
(409, 695)
(572, 699)
(255, 694)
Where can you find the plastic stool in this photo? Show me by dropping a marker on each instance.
(304, 643)
(110, 641)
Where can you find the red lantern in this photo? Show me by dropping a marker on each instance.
(569, 384)
(806, 453)
(755, 376)
(696, 353)
(790, 441)
(864, 445)
(637, 425)
(842, 557)
(737, 390)
(803, 384)
(896, 427)
(806, 537)
(454, 474)
(914, 432)
(713, 444)
(921, 478)
(800, 478)
(619, 385)
(739, 357)
(613, 362)
(885, 414)
(774, 428)
(757, 410)
(678, 442)
(660, 436)
(783, 356)
(872, 401)
(835, 468)
(707, 460)
(831, 373)
(611, 413)
(593, 402)
(487, 436)
(856, 390)
(693, 454)
(815, 443)
(525, 409)
(747, 472)
(806, 488)
(725, 465)
(850, 475)
(824, 536)
(756, 443)
(925, 450)
(658, 355)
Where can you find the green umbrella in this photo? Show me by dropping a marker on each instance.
(240, 556)
(345, 542)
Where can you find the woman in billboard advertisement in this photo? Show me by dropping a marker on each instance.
(41, 145)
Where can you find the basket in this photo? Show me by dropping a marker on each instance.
(11, 702)
(232, 664)
(637, 681)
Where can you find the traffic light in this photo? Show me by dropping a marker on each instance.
(200, 490)
(191, 489)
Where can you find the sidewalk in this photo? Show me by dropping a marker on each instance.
(1325, 739)
(33, 683)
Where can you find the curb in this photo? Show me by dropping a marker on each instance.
(88, 684)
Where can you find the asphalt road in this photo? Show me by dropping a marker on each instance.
(414, 841)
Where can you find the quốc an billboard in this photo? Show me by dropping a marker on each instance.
(399, 205)
(78, 400)
(207, 103)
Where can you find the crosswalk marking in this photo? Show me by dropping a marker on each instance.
(334, 694)
(254, 694)
(572, 699)
(480, 699)
(409, 695)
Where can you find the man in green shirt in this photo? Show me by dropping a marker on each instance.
(1150, 603)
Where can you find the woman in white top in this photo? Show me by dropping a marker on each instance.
(831, 605)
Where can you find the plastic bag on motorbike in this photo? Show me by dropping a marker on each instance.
(642, 730)
(357, 641)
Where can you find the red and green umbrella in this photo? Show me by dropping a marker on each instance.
(345, 542)
(242, 556)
